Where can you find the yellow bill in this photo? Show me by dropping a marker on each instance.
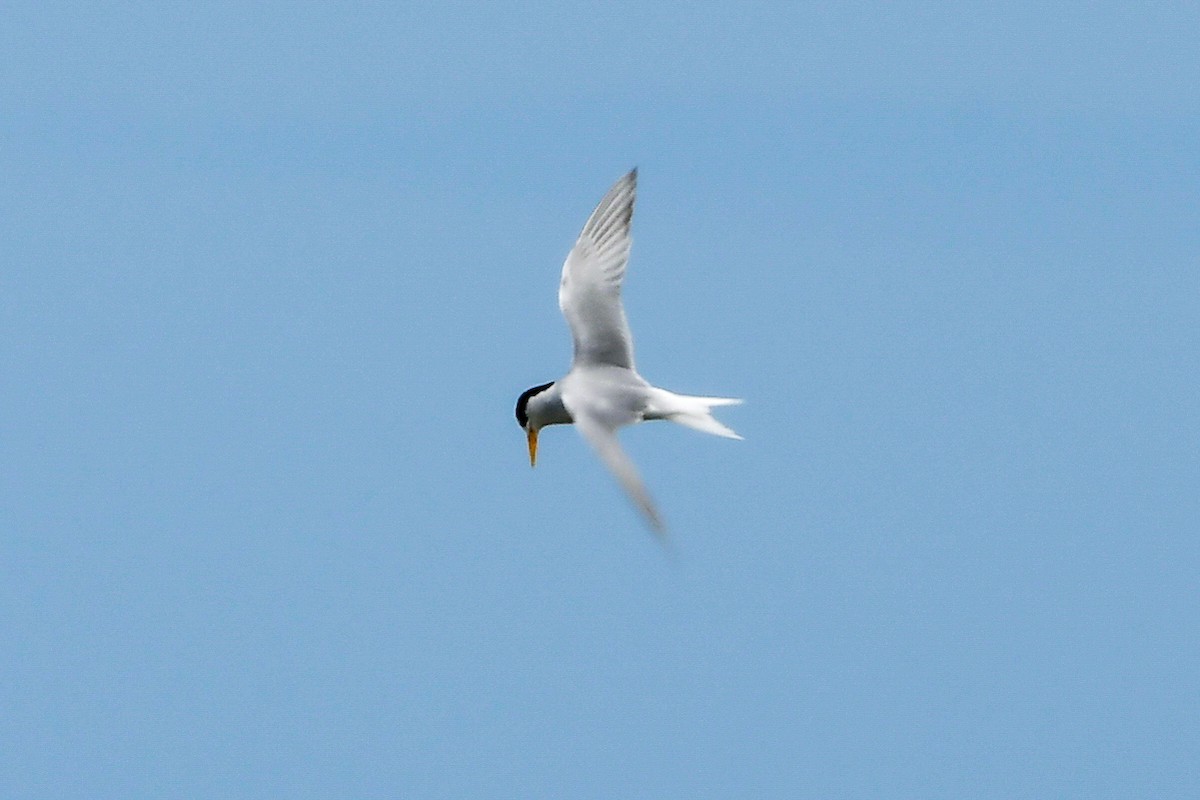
(531, 434)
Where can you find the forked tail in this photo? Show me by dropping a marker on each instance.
(694, 412)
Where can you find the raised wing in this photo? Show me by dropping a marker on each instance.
(601, 434)
(590, 292)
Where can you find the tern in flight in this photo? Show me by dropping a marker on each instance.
(603, 390)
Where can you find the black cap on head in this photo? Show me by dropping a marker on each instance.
(523, 401)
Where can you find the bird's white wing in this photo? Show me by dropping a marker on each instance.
(600, 430)
(590, 291)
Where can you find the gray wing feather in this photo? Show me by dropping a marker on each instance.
(601, 434)
(589, 294)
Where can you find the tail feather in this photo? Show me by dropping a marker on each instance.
(692, 412)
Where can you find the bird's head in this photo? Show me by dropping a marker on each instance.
(527, 417)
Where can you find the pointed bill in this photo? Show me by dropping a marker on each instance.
(531, 435)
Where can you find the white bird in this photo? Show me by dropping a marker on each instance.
(603, 390)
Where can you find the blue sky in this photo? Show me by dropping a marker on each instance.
(274, 276)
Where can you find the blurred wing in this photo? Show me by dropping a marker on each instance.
(590, 291)
(602, 436)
